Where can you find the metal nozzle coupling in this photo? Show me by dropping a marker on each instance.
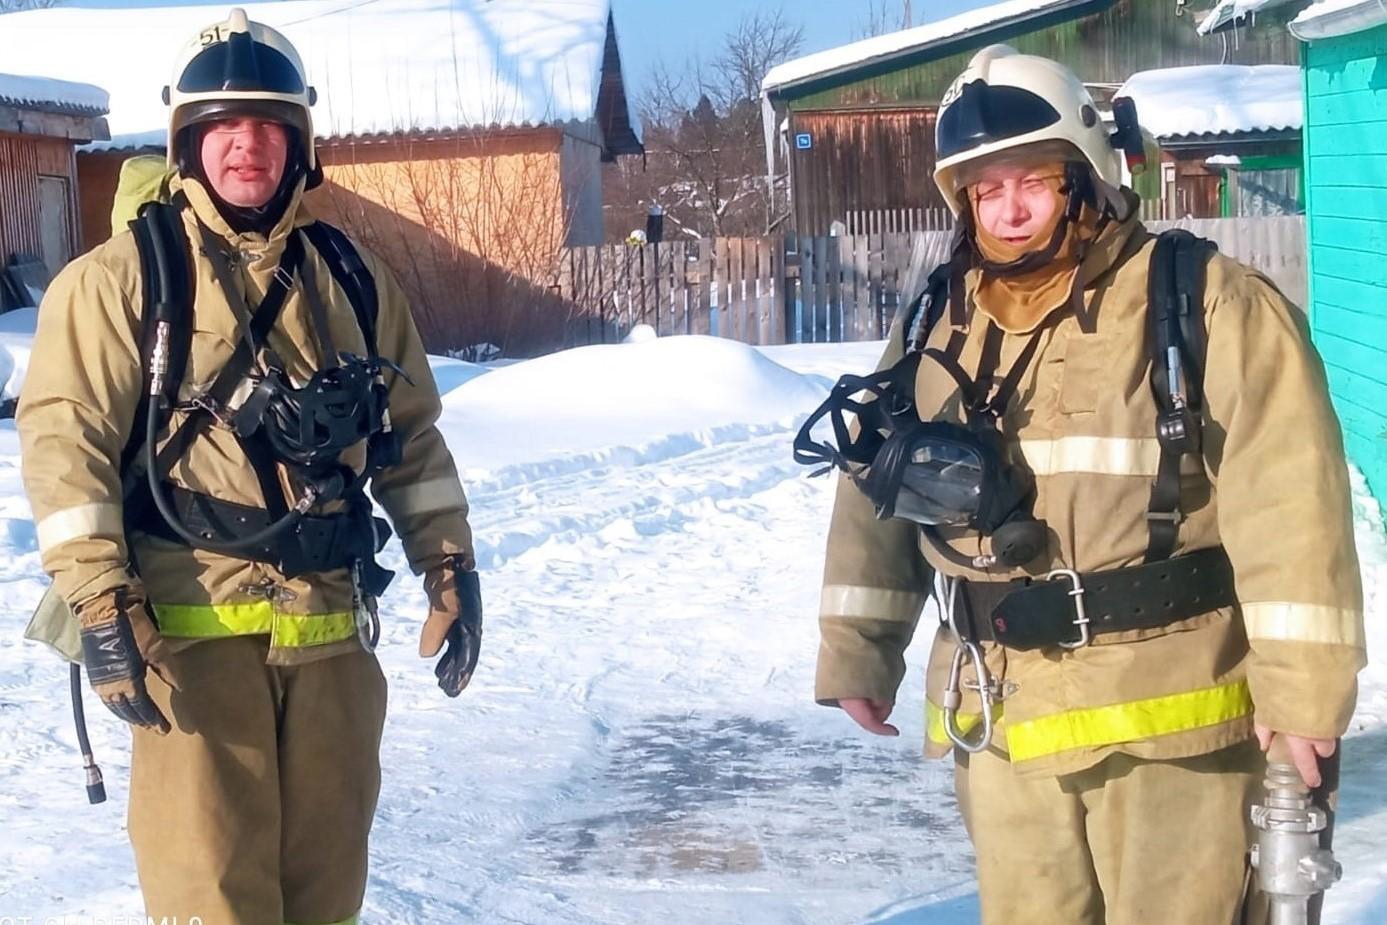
(96, 786)
(1291, 865)
(159, 359)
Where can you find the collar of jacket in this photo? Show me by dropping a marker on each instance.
(262, 252)
(1109, 250)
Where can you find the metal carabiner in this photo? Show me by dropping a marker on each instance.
(364, 612)
(953, 698)
(965, 651)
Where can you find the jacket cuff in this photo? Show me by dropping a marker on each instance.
(1304, 689)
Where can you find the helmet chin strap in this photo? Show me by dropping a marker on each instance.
(1079, 188)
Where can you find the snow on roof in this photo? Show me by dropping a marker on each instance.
(47, 93)
(1229, 12)
(1330, 18)
(887, 46)
(1215, 99)
(131, 141)
(378, 66)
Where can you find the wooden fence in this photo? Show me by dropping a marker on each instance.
(799, 289)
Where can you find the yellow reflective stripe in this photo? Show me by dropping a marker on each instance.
(286, 630)
(76, 523)
(876, 603)
(966, 722)
(425, 497)
(1128, 722)
(1284, 621)
(1099, 456)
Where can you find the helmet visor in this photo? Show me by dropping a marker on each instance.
(984, 114)
(241, 64)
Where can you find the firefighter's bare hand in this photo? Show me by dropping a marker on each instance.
(1305, 753)
(118, 636)
(870, 714)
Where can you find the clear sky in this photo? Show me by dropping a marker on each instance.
(680, 29)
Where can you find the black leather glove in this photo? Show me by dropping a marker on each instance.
(111, 623)
(455, 617)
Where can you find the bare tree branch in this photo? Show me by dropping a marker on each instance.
(705, 151)
(18, 6)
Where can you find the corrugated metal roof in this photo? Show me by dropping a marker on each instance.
(1217, 99)
(49, 95)
(909, 42)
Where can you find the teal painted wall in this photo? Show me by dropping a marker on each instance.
(1346, 191)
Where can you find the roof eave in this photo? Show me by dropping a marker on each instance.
(941, 48)
(1228, 139)
(1368, 14)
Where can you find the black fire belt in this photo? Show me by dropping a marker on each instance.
(1071, 607)
(317, 543)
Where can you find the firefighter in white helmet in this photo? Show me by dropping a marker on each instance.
(1112, 458)
(214, 540)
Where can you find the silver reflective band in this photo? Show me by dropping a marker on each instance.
(79, 522)
(425, 497)
(1137, 456)
(1284, 621)
(848, 601)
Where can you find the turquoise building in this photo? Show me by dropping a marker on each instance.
(1344, 63)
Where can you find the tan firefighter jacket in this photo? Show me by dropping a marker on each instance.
(76, 412)
(1272, 488)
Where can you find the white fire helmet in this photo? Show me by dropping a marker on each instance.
(1005, 100)
(238, 67)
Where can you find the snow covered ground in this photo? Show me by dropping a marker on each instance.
(640, 743)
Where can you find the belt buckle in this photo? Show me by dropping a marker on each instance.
(1081, 619)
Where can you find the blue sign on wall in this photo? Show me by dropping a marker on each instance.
(804, 141)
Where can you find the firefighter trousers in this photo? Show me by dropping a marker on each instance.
(255, 809)
(1130, 841)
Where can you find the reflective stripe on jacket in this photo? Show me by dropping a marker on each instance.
(80, 397)
(1272, 488)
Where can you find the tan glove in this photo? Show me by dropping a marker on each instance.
(118, 638)
(455, 616)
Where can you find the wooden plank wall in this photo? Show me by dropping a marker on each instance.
(1346, 191)
(23, 159)
(19, 196)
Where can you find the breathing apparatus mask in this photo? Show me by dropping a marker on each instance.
(310, 426)
(940, 474)
(930, 473)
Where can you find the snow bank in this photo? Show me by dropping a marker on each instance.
(378, 67)
(1216, 99)
(623, 395)
(16, 342)
(45, 91)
